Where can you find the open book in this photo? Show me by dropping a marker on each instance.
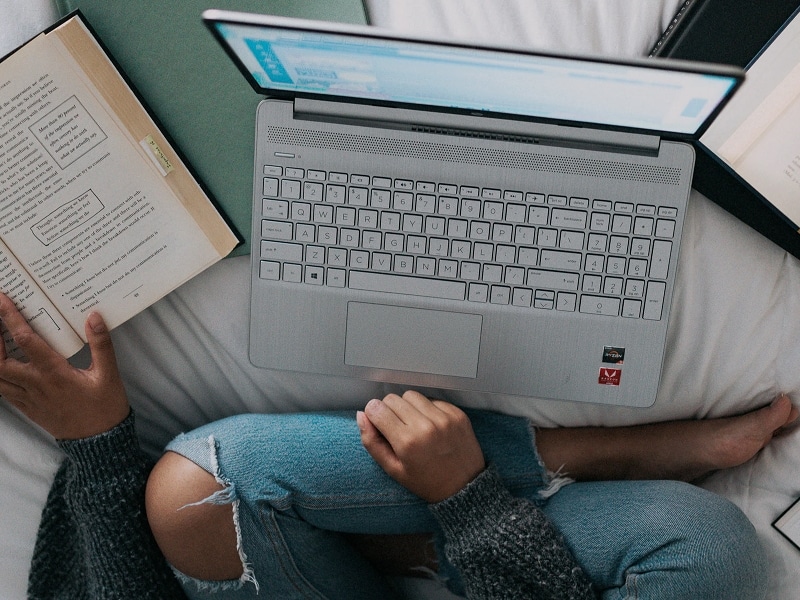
(97, 210)
(758, 133)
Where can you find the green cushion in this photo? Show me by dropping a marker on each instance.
(192, 87)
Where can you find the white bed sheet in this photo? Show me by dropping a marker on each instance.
(733, 344)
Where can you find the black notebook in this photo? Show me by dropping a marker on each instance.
(740, 32)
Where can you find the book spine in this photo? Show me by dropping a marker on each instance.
(686, 8)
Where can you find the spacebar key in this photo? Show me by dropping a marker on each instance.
(402, 284)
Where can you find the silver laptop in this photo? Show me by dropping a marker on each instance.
(474, 218)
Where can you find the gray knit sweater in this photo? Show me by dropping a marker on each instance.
(94, 541)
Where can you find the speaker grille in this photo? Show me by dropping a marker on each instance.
(439, 151)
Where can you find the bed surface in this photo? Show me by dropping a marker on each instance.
(733, 343)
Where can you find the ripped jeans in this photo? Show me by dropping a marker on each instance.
(296, 482)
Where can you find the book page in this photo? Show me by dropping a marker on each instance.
(86, 209)
(35, 307)
(758, 133)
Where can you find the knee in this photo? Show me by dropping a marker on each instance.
(199, 540)
(727, 554)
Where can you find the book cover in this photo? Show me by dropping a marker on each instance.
(733, 32)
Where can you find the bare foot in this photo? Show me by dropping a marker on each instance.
(684, 450)
(735, 440)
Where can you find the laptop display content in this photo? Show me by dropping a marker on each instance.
(458, 217)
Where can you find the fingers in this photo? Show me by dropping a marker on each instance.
(34, 347)
(376, 444)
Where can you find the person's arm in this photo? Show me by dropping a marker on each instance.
(504, 547)
(93, 539)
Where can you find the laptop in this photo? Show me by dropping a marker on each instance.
(450, 216)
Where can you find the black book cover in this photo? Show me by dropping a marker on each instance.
(730, 32)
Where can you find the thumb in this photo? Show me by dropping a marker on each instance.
(100, 345)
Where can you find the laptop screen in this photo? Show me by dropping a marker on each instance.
(293, 57)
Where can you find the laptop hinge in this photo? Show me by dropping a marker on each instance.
(470, 126)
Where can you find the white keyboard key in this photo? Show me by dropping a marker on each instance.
(643, 226)
(621, 224)
(574, 219)
(401, 284)
(528, 256)
(557, 259)
(426, 266)
(571, 240)
(327, 235)
(335, 194)
(276, 230)
(292, 273)
(665, 228)
(600, 305)
(290, 189)
(478, 292)
(470, 271)
(659, 263)
(275, 209)
(566, 301)
(493, 211)
(382, 261)
(301, 211)
(323, 213)
(553, 280)
(270, 186)
(654, 300)
(269, 269)
(312, 191)
(337, 257)
(336, 277)
(314, 275)
(640, 247)
(522, 297)
(448, 269)
(315, 255)
(600, 222)
(349, 237)
(631, 309)
(500, 294)
(537, 215)
(357, 196)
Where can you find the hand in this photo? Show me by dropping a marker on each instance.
(426, 446)
(67, 402)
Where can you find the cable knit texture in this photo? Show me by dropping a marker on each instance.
(505, 548)
(94, 541)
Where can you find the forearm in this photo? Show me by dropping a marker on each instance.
(504, 547)
(98, 502)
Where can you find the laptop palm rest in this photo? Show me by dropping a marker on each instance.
(412, 339)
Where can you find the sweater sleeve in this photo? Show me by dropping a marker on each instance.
(94, 540)
(504, 547)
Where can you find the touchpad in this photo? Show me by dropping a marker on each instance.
(412, 339)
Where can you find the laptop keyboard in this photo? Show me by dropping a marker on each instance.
(444, 240)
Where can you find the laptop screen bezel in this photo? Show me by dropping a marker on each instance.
(213, 18)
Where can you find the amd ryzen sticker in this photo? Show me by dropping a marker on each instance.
(610, 376)
(613, 355)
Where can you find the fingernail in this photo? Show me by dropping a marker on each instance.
(96, 323)
(360, 416)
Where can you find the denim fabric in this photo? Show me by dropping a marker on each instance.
(296, 481)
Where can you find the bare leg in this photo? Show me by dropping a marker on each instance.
(682, 450)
